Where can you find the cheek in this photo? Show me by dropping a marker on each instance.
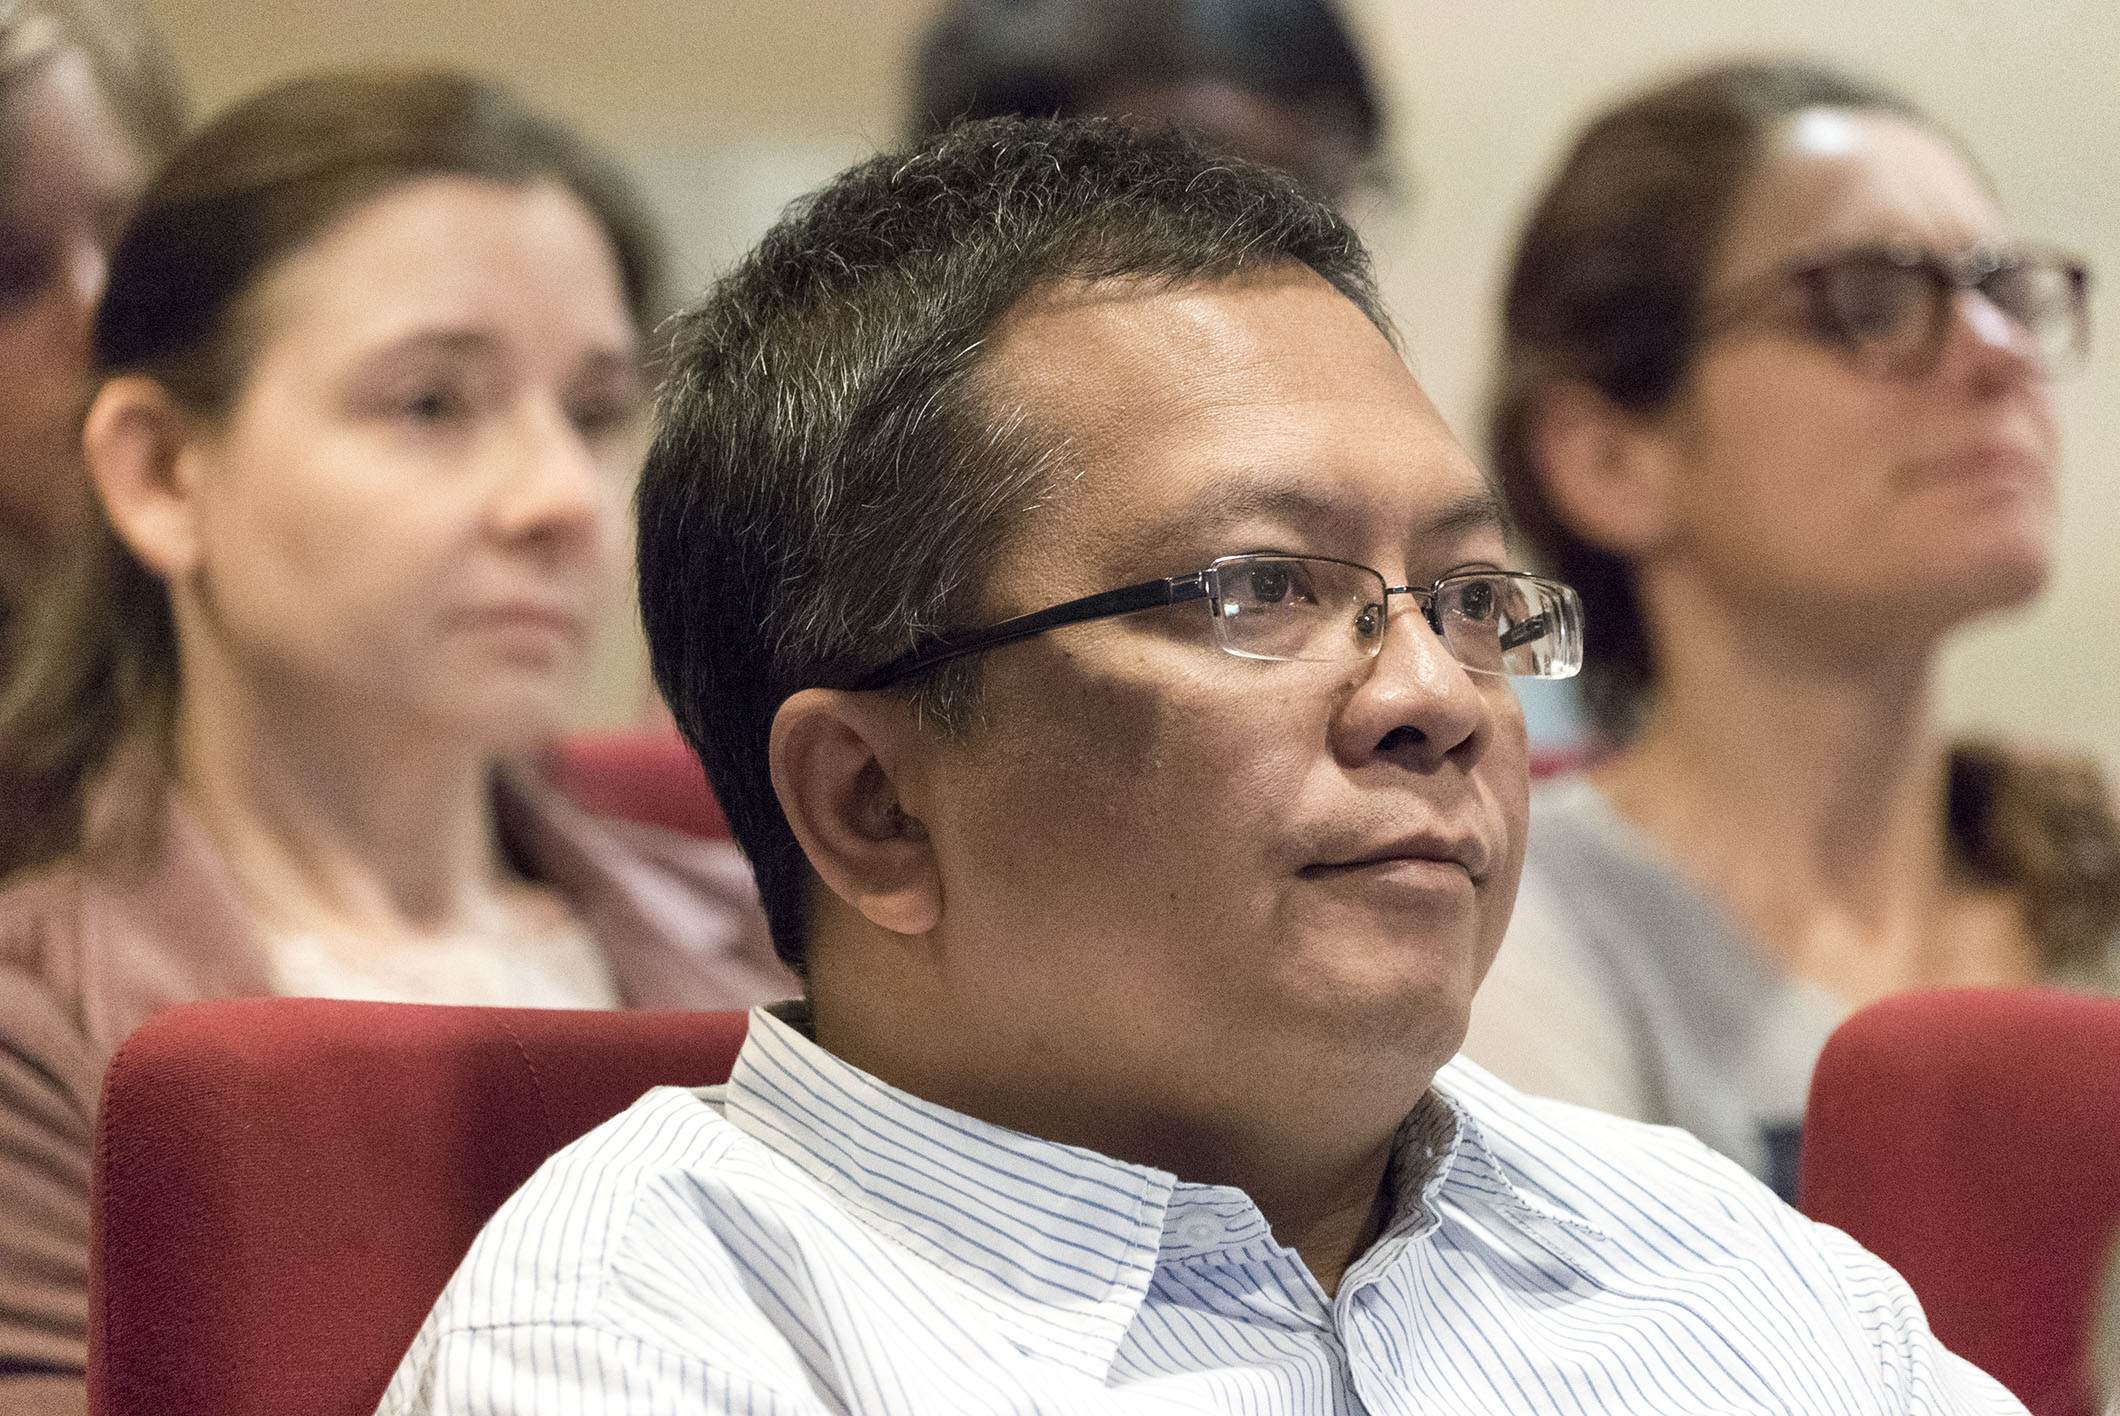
(1786, 474)
(1505, 781)
(613, 567)
(310, 549)
(1149, 791)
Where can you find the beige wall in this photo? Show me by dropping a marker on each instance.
(727, 109)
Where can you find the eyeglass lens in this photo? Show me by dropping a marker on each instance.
(1293, 607)
(1297, 608)
(1504, 624)
(1895, 311)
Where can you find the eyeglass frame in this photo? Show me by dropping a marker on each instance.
(1947, 279)
(1203, 584)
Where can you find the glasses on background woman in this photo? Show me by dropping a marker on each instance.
(1890, 307)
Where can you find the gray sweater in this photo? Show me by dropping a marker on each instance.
(1625, 987)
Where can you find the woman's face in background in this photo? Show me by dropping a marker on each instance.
(1813, 489)
(415, 507)
(68, 177)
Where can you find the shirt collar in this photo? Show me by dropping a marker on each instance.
(1472, 1174)
(1061, 1243)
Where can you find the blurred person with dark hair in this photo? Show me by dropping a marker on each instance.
(1279, 81)
(1104, 653)
(1773, 395)
(370, 364)
(88, 106)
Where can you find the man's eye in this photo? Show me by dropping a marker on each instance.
(1476, 600)
(1282, 582)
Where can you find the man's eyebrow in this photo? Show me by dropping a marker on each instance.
(1295, 500)
(1475, 511)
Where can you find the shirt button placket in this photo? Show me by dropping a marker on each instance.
(1374, 1388)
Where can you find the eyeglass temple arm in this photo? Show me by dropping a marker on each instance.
(1124, 601)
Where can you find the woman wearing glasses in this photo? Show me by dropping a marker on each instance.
(1773, 398)
(370, 360)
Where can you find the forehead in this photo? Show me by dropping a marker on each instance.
(449, 250)
(1265, 402)
(1832, 178)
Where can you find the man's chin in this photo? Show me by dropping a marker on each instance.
(1412, 1009)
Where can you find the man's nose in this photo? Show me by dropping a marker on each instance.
(1416, 702)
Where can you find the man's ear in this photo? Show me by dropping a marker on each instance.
(1609, 473)
(833, 756)
(134, 444)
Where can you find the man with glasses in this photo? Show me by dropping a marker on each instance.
(1103, 652)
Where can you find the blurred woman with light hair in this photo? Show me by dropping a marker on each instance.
(370, 360)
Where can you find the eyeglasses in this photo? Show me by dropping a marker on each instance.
(1317, 608)
(1888, 307)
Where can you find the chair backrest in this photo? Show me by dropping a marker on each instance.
(647, 775)
(283, 1185)
(1971, 1139)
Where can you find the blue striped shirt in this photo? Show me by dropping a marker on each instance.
(807, 1239)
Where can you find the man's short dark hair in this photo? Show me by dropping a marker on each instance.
(831, 476)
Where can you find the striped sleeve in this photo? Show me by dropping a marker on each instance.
(1920, 1375)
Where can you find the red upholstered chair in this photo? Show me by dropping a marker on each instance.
(283, 1185)
(1971, 1139)
(647, 775)
(1550, 762)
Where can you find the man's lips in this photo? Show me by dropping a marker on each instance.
(1468, 853)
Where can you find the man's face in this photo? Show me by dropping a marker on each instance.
(1188, 875)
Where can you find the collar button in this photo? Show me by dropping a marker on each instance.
(1198, 1230)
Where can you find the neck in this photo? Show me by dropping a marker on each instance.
(1802, 779)
(1329, 1209)
(338, 822)
(1309, 1141)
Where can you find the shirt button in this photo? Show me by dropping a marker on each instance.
(1198, 1230)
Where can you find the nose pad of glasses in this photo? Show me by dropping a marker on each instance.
(1375, 616)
